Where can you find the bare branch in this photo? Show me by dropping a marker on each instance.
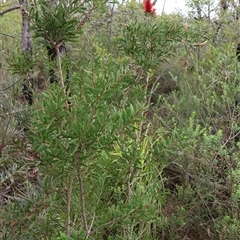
(81, 191)
(6, 35)
(9, 10)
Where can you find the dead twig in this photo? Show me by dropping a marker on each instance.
(9, 10)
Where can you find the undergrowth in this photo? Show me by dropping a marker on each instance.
(143, 144)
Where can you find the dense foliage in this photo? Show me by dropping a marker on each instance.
(138, 138)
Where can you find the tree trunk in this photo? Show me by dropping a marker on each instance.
(26, 49)
(26, 38)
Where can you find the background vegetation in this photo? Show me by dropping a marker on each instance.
(140, 142)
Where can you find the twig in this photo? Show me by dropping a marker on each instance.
(81, 191)
(9, 10)
(7, 35)
(6, 88)
(60, 72)
(60, 65)
(90, 227)
(69, 195)
(128, 183)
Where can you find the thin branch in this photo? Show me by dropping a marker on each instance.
(60, 65)
(128, 184)
(60, 72)
(69, 195)
(9, 10)
(6, 35)
(81, 191)
(8, 87)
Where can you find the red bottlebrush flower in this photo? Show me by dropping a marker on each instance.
(154, 11)
(148, 7)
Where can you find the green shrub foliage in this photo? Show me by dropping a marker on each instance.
(141, 142)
